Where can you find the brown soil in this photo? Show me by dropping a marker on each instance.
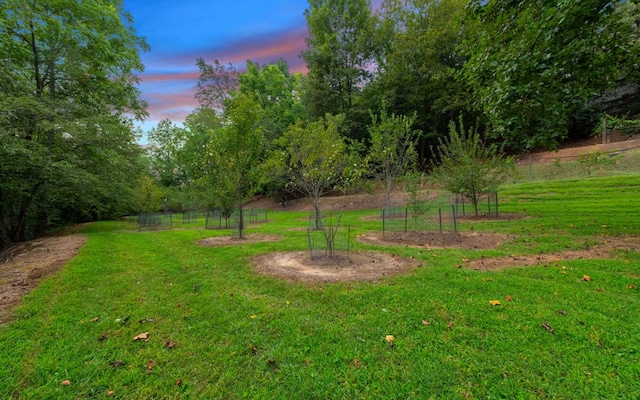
(229, 240)
(361, 266)
(435, 240)
(24, 265)
(606, 250)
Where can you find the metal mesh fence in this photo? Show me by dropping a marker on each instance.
(441, 219)
(218, 220)
(331, 242)
(189, 217)
(155, 221)
(487, 206)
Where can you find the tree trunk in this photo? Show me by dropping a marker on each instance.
(317, 211)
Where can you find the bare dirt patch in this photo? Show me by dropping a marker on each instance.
(436, 240)
(230, 240)
(24, 265)
(361, 266)
(606, 250)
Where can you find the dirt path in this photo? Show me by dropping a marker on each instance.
(24, 265)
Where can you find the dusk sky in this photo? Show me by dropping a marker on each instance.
(179, 32)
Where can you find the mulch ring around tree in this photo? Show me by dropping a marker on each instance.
(436, 240)
(232, 240)
(298, 266)
(606, 250)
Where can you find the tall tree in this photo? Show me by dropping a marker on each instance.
(67, 77)
(276, 90)
(418, 60)
(166, 142)
(216, 84)
(339, 57)
(534, 63)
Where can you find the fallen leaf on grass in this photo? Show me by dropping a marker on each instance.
(150, 366)
(273, 365)
(389, 338)
(631, 286)
(169, 344)
(110, 393)
(509, 298)
(425, 322)
(254, 316)
(94, 319)
(548, 327)
(142, 336)
(586, 278)
(494, 302)
(66, 382)
(451, 324)
(562, 312)
(179, 382)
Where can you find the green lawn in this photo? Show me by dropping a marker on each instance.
(217, 330)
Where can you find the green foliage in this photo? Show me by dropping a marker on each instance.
(276, 91)
(593, 160)
(148, 196)
(235, 154)
(533, 64)
(166, 142)
(622, 124)
(392, 152)
(468, 166)
(418, 61)
(68, 147)
(216, 84)
(314, 156)
(339, 58)
(417, 200)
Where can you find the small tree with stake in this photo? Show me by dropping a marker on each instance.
(469, 167)
(392, 153)
(313, 156)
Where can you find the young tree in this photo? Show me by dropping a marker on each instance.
(469, 167)
(392, 153)
(235, 154)
(313, 155)
(417, 200)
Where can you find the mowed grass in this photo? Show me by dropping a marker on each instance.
(217, 330)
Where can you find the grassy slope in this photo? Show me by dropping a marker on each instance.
(327, 340)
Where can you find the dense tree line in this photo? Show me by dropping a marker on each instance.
(68, 148)
(382, 89)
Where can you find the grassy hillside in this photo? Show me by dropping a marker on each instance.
(218, 330)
